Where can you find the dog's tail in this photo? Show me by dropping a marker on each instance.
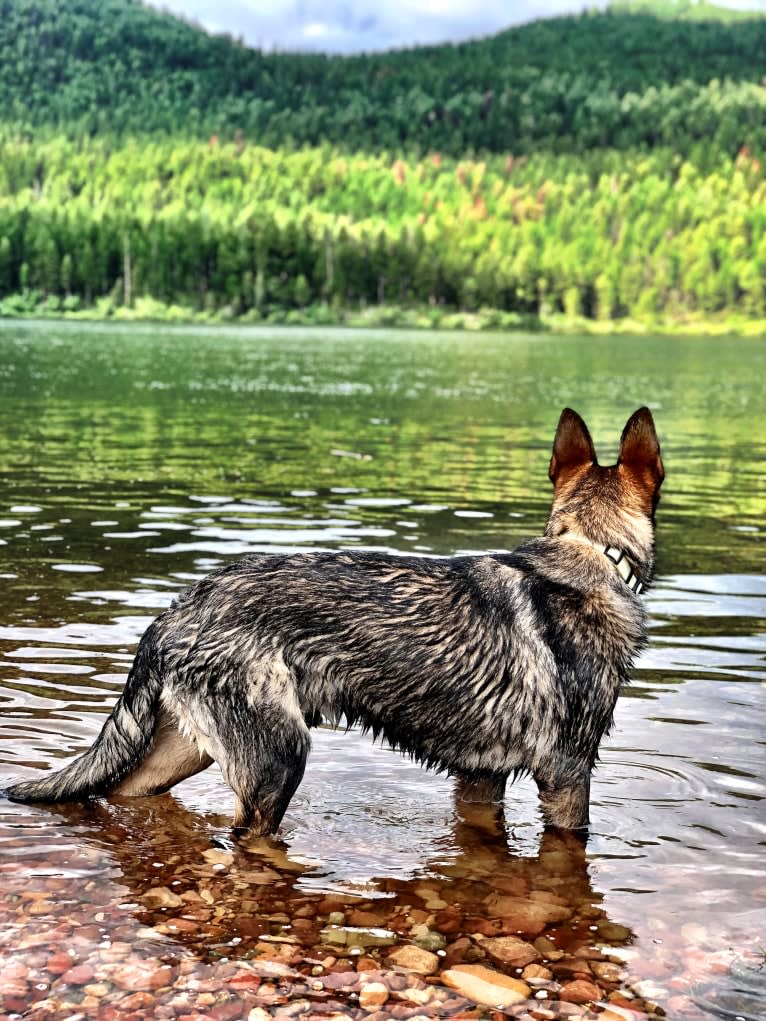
(124, 740)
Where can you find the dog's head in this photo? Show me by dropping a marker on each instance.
(613, 504)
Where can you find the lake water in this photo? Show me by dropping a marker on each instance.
(136, 459)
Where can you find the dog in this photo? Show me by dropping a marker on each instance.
(487, 667)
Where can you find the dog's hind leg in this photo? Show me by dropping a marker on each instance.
(264, 793)
(255, 729)
(479, 801)
(265, 757)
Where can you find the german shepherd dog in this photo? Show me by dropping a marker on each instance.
(484, 666)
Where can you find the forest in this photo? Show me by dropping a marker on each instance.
(243, 229)
(624, 78)
(600, 167)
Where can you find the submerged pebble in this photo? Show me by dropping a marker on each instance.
(486, 986)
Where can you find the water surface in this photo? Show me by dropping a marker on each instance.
(133, 460)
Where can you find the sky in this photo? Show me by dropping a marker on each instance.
(352, 26)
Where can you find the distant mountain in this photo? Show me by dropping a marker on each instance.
(637, 75)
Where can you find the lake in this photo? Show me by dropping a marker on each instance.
(135, 459)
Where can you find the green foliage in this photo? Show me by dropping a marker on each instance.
(242, 230)
(300, 190)
(628, 77)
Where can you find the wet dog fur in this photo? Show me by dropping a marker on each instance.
(485, 666)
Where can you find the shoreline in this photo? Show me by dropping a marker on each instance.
(147, 311)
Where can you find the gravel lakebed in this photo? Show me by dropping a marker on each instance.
(139, 926)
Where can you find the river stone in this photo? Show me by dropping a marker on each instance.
(485, 986)
(79, 975)
(372, 995)
(423, 962)
(418, 996)
(527, 916)
(612, 932)
(141, 975)
(340, 979)
(607, 971)
(459, 951)
(580, 991)
(427, 938)
(346, 935)
(509, 950)
(363, 918)
(548, 949)
(537, 972)
(613, 1013)
(448, 920)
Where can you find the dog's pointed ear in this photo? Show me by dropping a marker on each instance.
(640, 449)
(572, 447)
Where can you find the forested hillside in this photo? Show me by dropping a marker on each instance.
(624, 78)
(601, 167)
(225, 230)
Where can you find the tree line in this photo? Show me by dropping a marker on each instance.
(237, 229)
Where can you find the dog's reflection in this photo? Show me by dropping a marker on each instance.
(216, 895)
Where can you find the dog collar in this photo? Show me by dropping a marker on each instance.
(624, 567)
(620, 560)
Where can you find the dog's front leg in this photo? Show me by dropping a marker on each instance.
(564, 799)
(483, 790)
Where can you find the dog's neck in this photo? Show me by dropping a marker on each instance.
(619, 558)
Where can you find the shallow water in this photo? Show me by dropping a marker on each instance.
(134, 460)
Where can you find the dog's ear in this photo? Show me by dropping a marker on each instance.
(572, 447)
(640, 450)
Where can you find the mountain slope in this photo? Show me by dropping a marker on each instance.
(622, 78)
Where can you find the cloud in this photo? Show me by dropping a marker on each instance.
(352, 26)
(356, 25)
